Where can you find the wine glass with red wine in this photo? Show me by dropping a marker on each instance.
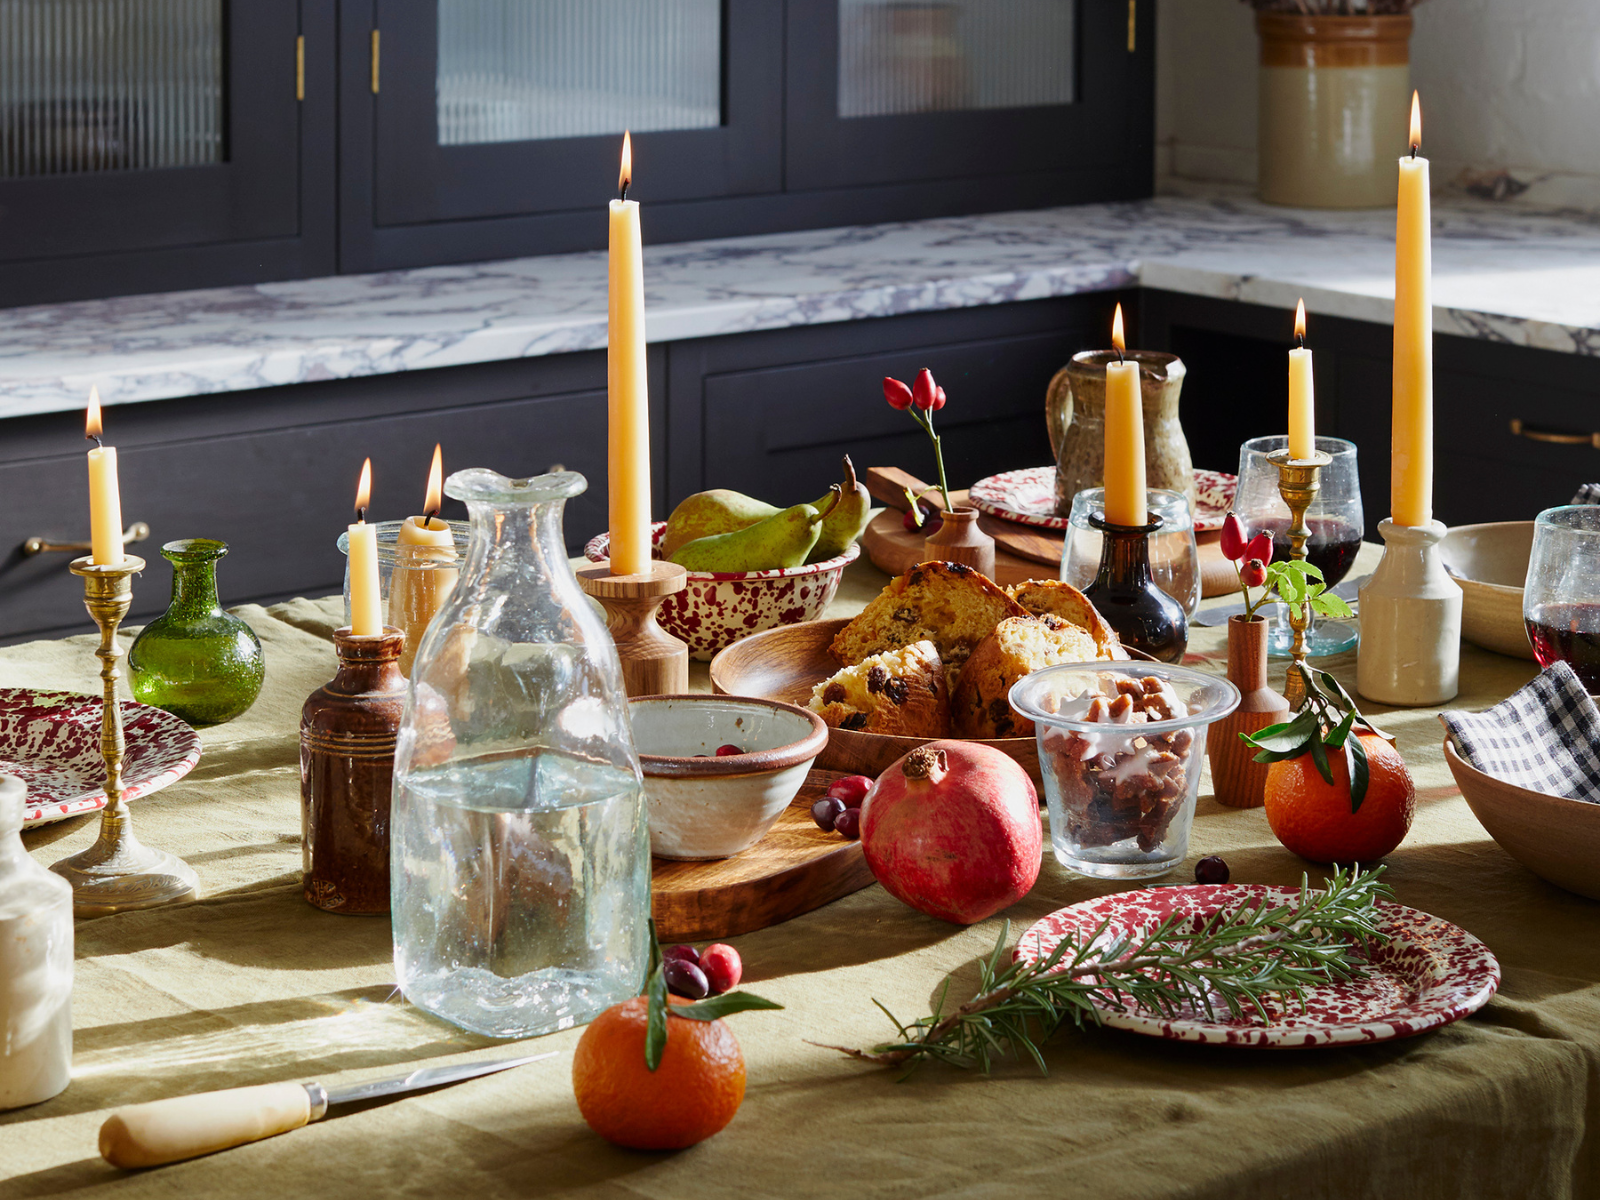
(1334, 519)
(1561, 597)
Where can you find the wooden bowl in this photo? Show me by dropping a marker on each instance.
(1556, 838)
(1490, 563)
(786, 663)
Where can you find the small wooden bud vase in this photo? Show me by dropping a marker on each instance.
(1240, 781)
(348, 730)
(959, 540)
(654, 663)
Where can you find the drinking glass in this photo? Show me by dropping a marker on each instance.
(1334, 518)
(1174, 556)
(1561, 595)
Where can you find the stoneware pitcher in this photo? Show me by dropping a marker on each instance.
(1075, 411)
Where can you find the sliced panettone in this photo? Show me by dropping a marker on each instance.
(948, 604)
(980, 707)
(899, 691)
(1051, 597)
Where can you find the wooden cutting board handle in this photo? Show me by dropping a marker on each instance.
(164, 1131)
(888, 486)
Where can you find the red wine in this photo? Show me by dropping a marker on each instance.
(1331, 548)
(1569, 633)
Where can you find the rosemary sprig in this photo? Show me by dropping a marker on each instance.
(1235, 961)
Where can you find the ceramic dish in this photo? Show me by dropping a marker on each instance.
(1430, 974)
(1555, 837)
(1490, 562)
(704, 806)
(718, 608)
(52, 741)
(1028, 497)
(786, 663)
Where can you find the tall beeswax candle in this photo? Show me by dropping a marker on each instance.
(1124, 449)
(366, 616)
(105, 496)
(627, 389)
(1302, 395)
(1411, 449)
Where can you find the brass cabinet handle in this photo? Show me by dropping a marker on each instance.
(137, 532)
(1555, 436)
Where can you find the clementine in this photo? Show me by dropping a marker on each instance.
(691, 1095)
(1312, 817)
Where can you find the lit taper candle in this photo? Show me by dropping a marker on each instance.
(424, 575)
(1411, 449)
(366, 613)
(627, 388)
(1124, 446)
(105, 496)
(1302, 394)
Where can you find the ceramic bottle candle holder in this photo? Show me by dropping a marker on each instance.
(959, 540)
(1145, 617)
(118, 873)
(1410, 621)
(348, 733)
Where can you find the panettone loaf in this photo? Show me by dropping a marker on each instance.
(980, 707)
(898, 691)
(948, 604)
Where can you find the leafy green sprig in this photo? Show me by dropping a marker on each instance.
(1236, 961)
(710, 1009)
(1324, 723)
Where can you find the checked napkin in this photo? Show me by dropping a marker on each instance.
(1545, 737)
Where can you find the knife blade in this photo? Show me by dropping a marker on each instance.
(164, 1131)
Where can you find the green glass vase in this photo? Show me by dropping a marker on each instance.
(195, 660)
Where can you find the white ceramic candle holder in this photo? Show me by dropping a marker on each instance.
(1410, 621)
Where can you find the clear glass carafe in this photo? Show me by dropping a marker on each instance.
(520, 855)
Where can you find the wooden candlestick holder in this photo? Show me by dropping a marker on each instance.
(1299, 481)
(654, 663)
(118, 873)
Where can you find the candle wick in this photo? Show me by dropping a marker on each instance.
(1120, 359)
(95, 438)
(1413, 149)
(623, 195)
(361, 516)
(1300, 338)
(429, 517)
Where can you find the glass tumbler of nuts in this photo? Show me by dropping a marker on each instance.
(1121, 748)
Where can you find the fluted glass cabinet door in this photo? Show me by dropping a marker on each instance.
(887, 91)
(501, 108)
(130, 126)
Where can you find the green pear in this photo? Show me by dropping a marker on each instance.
(782, 540)
(707, 513)
(849, 517)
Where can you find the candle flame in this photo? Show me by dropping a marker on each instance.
(364, 491)
(92, 427)
(625, 176)
(1116, 332)
(1300, 322)
(1416, 123)
(435, 499)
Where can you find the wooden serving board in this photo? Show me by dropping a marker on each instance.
(894, 550)
(794, 869)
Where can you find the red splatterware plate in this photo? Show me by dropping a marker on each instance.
(1430, 974)
(52, 741)
(1028, 497)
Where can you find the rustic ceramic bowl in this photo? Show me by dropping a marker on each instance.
(1556, 838)
(715, 807)
(1490, 563)
(718, 608)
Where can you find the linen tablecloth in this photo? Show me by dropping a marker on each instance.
(252, 985)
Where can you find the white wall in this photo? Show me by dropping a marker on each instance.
(1506, 85)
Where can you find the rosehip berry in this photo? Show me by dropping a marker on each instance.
(827, 811)
(722, 967)
(1232, 539)
(924, 391)
(931, 520)
(848, 823)
(686, 954)
(1211, 869)
(686, 979)
(852, 789)
(896, 393)
(724, 751)
(1253, 573)
(1260, 546)
(938, 400)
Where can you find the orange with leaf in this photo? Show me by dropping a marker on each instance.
(1337, 789)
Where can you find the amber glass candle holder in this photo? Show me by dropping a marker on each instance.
(1146, 618)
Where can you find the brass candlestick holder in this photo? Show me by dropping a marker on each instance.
(1299, 481)
(118, 873)
(654, 663)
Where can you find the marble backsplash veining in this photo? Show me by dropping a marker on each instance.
(1512, 277)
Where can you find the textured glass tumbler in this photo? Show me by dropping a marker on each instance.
(195, 660)
(1174, 555)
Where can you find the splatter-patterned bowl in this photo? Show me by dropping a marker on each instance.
(720, 607)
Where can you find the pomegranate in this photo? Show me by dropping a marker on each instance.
(952, 829)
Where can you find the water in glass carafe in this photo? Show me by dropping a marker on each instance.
(520, 857)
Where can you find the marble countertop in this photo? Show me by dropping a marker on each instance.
(1505, 276)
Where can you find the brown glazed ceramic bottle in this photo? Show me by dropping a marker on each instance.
(347, 742)
(1239, 780)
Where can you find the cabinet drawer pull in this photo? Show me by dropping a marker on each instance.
(1554, 435)
(137, 532)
